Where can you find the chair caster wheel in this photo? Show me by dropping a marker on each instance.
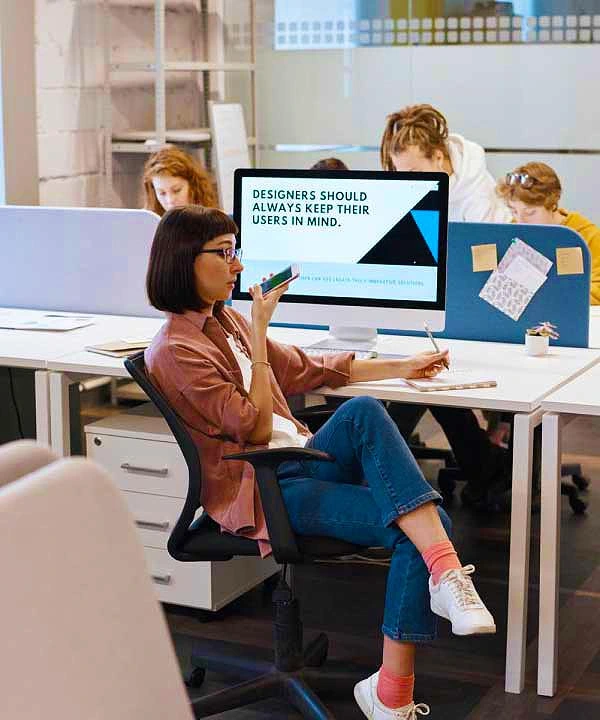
(195, 679)
(581, 482)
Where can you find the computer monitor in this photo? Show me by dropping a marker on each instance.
(371, 246)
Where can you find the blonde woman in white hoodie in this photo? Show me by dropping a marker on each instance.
(416, 139)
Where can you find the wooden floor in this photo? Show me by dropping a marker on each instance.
(460, 678)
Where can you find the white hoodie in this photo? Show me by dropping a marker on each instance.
(472, 189)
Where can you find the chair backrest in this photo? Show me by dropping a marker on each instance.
(136, 367)
(21, 458)
(83, 634)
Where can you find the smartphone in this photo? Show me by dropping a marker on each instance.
(281, 278)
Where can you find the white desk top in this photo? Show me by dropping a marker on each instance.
(522, 381)
(579, 397)
(35, 349)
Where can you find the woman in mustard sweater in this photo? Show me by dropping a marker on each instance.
(532, 192)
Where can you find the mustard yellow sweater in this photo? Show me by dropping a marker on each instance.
(591, 234)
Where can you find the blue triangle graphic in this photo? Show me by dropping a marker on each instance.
(428, 223)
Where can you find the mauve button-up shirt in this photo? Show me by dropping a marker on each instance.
(191, 362)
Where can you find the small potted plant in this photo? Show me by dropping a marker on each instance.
(537, 338)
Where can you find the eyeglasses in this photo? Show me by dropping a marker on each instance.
(228, 254)
(522, 179)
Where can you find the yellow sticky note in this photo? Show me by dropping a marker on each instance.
(485, 257)
(569, 261)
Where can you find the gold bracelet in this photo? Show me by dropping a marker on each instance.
(260, 362)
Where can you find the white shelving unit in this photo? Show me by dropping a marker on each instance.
(138, 141)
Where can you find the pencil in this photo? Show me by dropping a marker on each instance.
(435, 345)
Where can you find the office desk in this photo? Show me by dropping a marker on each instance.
(579, 397)
(523, 382)
(35, 349)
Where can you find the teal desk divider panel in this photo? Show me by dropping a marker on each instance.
(563, 299)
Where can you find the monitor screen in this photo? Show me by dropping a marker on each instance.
(369, 239)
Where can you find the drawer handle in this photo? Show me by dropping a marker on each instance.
(162, 579)
(161, 472)
(151, 525)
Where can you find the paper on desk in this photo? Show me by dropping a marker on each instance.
(520, 274)
(45, 322)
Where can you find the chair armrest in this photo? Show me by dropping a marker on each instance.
(265, 464)
(276, 456)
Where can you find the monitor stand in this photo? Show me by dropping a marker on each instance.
(347, 337)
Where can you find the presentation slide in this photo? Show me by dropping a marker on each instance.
(352, 238)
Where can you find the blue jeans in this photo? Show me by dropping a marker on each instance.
(357, 498)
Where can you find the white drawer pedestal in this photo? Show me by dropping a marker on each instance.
(143, 458)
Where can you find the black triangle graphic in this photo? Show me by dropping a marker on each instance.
(402, 245)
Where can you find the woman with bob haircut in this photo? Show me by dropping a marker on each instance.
(228, 381)
(172, 178)
(532, 193)
(416, 139)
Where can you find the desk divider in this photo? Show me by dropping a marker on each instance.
(564, 300)
(89, 260)
(94, 260)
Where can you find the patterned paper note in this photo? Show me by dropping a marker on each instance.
(520, 274)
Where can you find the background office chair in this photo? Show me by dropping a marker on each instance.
(295, 672)
(82, 632)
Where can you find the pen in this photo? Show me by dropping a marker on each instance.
(435, 345)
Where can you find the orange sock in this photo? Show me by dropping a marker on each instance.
(395, 691)
(439, 558)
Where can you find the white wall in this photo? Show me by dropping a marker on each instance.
(505, 96)
(69, 64)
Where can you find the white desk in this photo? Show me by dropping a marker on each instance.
(35, 349)
(523, 382)
(579, 397)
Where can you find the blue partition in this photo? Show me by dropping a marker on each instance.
(563, 299)
(91, 260)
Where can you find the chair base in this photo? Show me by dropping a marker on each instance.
(263, 680)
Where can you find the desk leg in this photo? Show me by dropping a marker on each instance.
(549, 554)
(42, 407)
(59, 413)
(520, 532)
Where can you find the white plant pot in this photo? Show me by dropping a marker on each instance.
(536, 344)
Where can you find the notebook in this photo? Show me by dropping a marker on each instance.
(446, 380)
(450, 380)
(119, 348)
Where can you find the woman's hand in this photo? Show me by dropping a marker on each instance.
(264, 307)
(425, 364)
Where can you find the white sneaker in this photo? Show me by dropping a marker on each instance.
(365, 694)
(456, 599)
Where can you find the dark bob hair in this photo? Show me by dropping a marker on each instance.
(179, 237)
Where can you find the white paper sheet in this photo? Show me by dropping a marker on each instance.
(523, 272)
(520, 274)
(45, 321)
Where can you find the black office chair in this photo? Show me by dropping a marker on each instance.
(295, 673)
